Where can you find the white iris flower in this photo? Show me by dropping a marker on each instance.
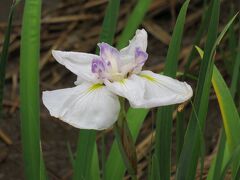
(94, 103)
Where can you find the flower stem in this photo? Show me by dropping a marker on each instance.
(125, 142)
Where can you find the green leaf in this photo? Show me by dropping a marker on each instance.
(164, 114)
(85, 149)
(4, 54)
(109, 22)
(154, 173)
(236, 74)
(180, 129)
(218, 161)
(203, 27)
(232, 44)
(133, 22)
(230, 116)
(231, 122)
(191, 148)
(86, 165)
(29, 90)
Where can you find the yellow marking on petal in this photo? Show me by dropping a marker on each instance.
(95, 87)
(122, 81)
(150, 78)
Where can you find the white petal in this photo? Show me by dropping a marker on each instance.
(110, 55)
(162, 90)
(131, 88)
(138, 41)
(78, 63)
(86, 106)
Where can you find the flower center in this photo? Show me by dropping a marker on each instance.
(114, 66)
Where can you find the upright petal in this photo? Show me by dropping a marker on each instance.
(140, 59)
(131, 88)
(110, 55)
(162, 90)
(138, 41)
(87, 106)
(78, 63)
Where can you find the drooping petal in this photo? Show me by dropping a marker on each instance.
(78, 63)
(138, 41)
(162, 90)
(131, 88)
(87, 106)
(111, 57)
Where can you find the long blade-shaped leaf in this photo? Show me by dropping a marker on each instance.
(190, 151)
(164, 114)
(198, 37)
(29, 90)
(231, 120)
(133, 22)
(85, 149)
(236, 73)
(86, 164)
(4, 54)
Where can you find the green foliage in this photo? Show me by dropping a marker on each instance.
(29, 91)
(190, 151)
(4, 53)
(164, 114)
(85, 149)
(134, 20)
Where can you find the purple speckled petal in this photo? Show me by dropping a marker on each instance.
(140, 56)
(98, 67)
(110, 55)
(140, 59)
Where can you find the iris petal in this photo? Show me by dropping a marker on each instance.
(111, 57)
(131, 88)
(78, 63)
(162, 90)
(87, 106)
(138, 41)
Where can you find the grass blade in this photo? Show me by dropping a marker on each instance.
(218, 161)
(232, 45)
(29, 90)
(133, 22)
(230, 116)
(85, 149)
(231, 122)
(203, 26)
(180, 129)
(86, 165)
(4, 54)
(190, 152)
(236, 73)
(109, 22)
(154, 173)
(164, 114)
